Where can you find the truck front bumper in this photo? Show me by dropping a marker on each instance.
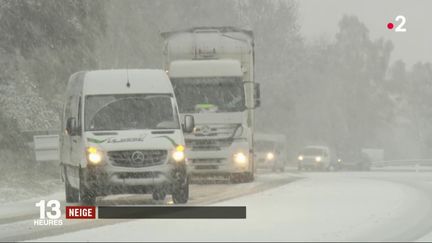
(219, 162)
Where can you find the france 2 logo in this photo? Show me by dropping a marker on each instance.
(49, 213)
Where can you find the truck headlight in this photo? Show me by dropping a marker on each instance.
(94, 156)
(240, 158)
(270, 156)
(179, 154)
(318, 159)
(300, 157)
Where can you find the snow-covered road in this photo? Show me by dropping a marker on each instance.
(342, 206)
(16, 218)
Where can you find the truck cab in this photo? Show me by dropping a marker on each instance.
(211, 70)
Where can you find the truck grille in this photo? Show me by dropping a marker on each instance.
(138, 158)
(208, 144)
(215, 131)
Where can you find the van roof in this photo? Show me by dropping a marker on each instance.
(115, 82)
(317, 147)
(270, 137)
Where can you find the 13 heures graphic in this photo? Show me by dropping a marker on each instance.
(49, 213)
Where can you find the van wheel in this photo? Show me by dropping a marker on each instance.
(72, 194)
(180, 194)
(87, 196)
(331, 168)
(159, 195)
(282, 169)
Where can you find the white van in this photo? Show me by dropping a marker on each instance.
(318, 157)
(123, 135)
(270, 151)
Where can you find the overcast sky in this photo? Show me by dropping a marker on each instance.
(320, 18)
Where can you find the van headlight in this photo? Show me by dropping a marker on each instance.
(300, 157)
(318, 159)
(270, 156)
(240, 158)
(179, 154)
(94, 156)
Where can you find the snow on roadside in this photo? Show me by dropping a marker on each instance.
(320, 208)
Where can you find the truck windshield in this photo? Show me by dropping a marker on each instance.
(218, 94)
(129, 112)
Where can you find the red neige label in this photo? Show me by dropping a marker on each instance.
(80, 212)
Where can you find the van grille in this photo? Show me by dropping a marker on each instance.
(138, 158)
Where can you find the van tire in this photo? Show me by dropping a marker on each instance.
(180, 192)
(87, 196)
(159, 195)
(72, 194)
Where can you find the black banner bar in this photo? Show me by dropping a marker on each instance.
(171, 212)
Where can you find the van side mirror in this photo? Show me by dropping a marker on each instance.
(71, 126)
(257, 95)
(188, 123)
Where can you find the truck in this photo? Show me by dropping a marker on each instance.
(212, 72)
(122, 134)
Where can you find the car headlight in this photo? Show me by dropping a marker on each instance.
(270, 156)
(339, 160)
(240, 158)
(94, 155)
(318, 159)
(300, 157)
(179, 155)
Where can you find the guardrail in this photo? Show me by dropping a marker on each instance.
(407, 164)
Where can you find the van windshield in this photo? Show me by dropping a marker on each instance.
(209, 94)
(264, 146)
(312, 151)
(129, 112)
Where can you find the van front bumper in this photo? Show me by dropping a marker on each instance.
(114, 178)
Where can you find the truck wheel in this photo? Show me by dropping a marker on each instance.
(235, 178)
(241, 177)
(299, 168)
(87, 196)
(248, 177)
(159, 195)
